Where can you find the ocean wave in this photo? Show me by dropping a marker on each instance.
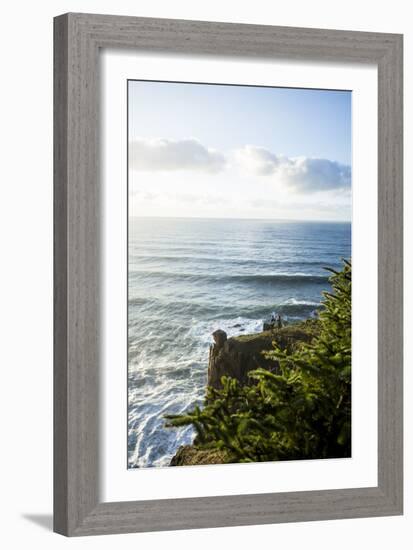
(229, 260)
(282, 278)
(159, 311)
(295, 302)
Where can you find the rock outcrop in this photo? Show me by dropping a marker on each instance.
(237, 356)
(189, 455)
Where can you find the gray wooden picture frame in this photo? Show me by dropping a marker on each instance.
(78, 39)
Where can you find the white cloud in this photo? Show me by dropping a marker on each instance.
(302, 173)
(256, 160)
(166, 154)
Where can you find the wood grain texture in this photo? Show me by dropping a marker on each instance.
(78, 38)
(390, 280)
(60, 485)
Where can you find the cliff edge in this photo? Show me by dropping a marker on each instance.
(235, 357)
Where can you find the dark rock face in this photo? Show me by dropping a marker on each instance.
(237, 356)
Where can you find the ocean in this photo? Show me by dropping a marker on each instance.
(189, 277)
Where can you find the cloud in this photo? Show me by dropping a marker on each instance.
(256, 160)
(302, 173)
(166, 154)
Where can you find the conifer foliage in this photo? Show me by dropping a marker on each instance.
(301, 410)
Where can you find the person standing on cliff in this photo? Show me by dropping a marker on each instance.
(279, 321)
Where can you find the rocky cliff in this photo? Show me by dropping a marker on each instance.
(237, 356)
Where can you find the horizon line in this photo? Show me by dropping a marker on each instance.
(237, 219)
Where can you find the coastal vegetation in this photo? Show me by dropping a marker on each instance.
(296, 406)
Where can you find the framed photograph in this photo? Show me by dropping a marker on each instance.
(228, 274)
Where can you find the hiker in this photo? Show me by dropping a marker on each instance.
(273, 317)
(279, 321)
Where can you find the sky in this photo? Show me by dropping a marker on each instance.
(221, 151)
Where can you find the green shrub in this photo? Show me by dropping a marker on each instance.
(301, 411)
